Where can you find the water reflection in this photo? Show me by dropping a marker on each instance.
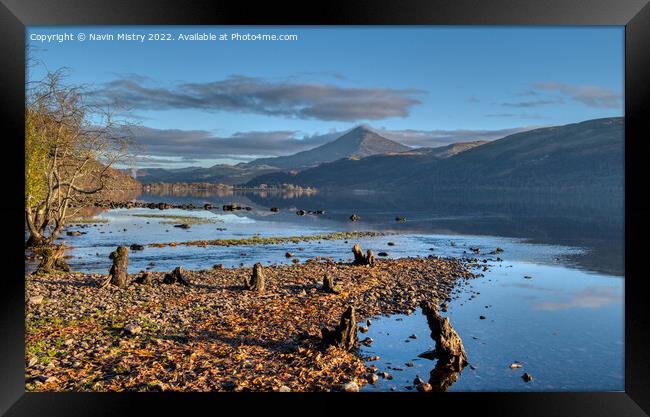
(588, 221)
(441, 378)
(591, 297)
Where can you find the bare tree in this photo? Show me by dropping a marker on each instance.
(70, 146)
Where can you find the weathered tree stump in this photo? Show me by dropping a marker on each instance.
(176, 276)
(118, 274)
(256, 281)
(360, 258)
(144, 279)
(449, 347)
(345, 334)
(51, 259)
(328, 285)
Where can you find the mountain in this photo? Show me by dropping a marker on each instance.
(359, 142)
(585, 154)
(446, 151)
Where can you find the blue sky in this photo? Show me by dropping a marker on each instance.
(422, 85)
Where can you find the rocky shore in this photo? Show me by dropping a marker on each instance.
(215, 334)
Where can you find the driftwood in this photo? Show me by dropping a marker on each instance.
(118, 274)
(176, 276)
(360, 258)
(328, 285)
(344, 335)
(449, 347)
(257, 280)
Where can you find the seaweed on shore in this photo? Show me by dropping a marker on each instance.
(272, 240)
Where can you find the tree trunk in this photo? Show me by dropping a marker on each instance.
(257, 280)
(118, 274)
(176, 276)
(360, 258)
(51, 259)
(35, 239)
(449, 347)
(345, 334)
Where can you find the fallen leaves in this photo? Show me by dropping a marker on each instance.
(213, 335)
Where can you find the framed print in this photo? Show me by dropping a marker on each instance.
(386, 201)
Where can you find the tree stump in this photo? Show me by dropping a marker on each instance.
(328, 285)
(345, 334)
(360, 258)
(256, 281)
(118, 274)
(51, 259)
(144, 279)
(449, 347)
(176, 276)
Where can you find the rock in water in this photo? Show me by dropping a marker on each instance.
(345, 334)
(256, 281)
(118, 274)
(176, 276)
(449, 347)
(360, 258)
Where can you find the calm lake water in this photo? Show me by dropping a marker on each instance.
(554, 303)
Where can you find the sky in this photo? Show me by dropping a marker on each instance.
(230, 100)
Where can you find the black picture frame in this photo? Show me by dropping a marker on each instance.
(15, 15)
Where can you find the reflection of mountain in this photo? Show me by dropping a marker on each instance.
(584, 219)
(357, 143)
(587, 154)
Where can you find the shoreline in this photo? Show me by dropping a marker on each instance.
(214, 335)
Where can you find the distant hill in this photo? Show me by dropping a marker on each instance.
(118, 185)
(224, 174)
(359, 142)
(581, 154)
